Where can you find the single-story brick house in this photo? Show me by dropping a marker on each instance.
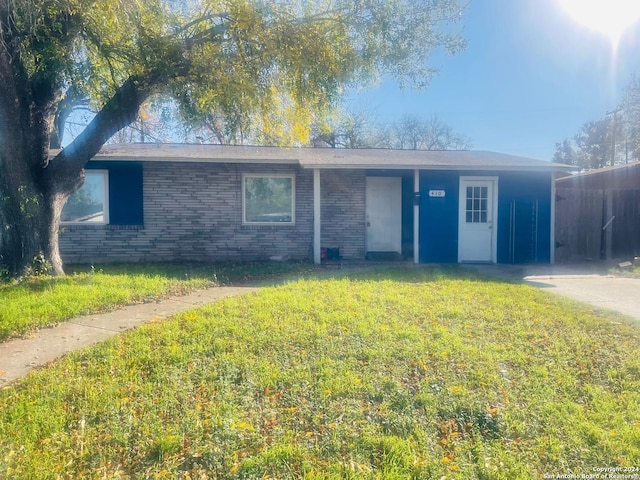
(158, 202)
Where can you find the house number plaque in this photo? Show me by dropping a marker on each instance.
(436, 193)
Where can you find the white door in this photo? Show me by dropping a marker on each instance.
(477, 219)
(384, 214)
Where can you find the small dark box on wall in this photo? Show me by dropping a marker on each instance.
(330, 254)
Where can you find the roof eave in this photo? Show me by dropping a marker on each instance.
(133, 158)
(373, 166)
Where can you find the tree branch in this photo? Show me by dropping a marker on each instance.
(204, 18)
(69, 103)
(121, 110)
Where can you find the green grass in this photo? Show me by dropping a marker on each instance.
(42, 301)
(399, 373)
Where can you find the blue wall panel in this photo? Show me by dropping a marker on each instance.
(439, 217)
(125, 191)
(524, 216)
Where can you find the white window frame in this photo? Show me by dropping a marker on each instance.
(105, 199)
(268, 175)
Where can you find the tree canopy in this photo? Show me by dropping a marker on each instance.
(611, 140)
(277, 62)
(410, 132)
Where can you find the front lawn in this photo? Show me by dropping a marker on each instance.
(398, 373)
(42, 301)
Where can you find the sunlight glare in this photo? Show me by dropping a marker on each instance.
(610, 17)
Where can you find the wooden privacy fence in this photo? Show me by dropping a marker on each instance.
(597, 224)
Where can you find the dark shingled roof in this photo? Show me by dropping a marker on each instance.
(325, 157)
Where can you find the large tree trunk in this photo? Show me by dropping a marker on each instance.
(33, 238)
(34, 188)
(32, 202)
(35, 99)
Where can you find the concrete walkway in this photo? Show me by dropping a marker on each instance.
(588, 283)
(19, 356)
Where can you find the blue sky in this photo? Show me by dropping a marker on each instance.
(530, 77)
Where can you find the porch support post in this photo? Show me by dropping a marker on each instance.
(316, 216)
(552, 221)
(416, 217)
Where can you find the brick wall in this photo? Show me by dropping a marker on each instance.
(193, 211)
(343, 212)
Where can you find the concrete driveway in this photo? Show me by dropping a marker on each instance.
(588, 283)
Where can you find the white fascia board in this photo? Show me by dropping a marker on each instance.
(109, 158)
(471, 168)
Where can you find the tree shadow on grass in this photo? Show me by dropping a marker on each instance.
(407, 273)
(260, 273)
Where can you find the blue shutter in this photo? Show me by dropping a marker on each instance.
(125, 192)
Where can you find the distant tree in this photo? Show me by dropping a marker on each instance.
(612, 140)
(593, 143)
(237, 57)
(630, 119)
(410, 133)
(347, 129)
(590, 148)
(415, 133)
(565, 153)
